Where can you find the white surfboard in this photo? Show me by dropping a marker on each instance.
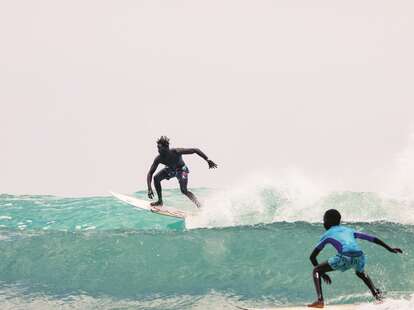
(145, 205)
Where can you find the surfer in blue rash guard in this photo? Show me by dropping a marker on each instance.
(175, 167)
(349, 255)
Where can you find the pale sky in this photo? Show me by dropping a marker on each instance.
(86, 87)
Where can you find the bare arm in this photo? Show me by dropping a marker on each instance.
(192, 151)
(150, 174)
(384, 245)
(376, 240)
(313, 256)
(211, 164)
(315, 264)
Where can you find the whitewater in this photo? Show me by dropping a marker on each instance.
(248, 246)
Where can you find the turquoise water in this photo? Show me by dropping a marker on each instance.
(96, 252)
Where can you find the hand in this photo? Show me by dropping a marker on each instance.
(150, 193)
(211, 164)
(396, 250)
(326, 278)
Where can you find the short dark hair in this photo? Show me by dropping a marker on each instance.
(331, 218)
(164, 141)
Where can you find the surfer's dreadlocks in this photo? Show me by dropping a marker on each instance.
(164, 141)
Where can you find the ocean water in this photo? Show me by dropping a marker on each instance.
(246, 247)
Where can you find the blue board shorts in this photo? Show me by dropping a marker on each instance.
(343, 262)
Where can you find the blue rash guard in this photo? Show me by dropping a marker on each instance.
(349, 254)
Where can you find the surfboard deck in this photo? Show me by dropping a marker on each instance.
(145, 205)
(329, 307)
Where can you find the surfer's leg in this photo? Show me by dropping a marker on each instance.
(368, 282)
(183, 180)
(317, 273)
(360, 272)
(162, 175)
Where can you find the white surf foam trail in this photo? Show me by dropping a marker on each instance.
(260, 199)
(398, 177)
(391, 304)
(397, 181)
(295, 197)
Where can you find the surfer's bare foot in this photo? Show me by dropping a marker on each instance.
(156, 204)
(379, 296)
(316, 304)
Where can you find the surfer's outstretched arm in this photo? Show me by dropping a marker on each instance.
(149, 176)
(383, 244)
(182, 151)
(376, 240)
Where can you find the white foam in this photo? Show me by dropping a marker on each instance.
(259, 199)
(89, 228)
(295, 197)
(391, 304)
(397, 180)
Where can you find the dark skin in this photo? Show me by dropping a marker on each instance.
(320, 270)
(172, 158)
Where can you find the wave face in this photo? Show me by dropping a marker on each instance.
(245, 247)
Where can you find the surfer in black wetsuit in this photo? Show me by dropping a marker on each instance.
(175, 167)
